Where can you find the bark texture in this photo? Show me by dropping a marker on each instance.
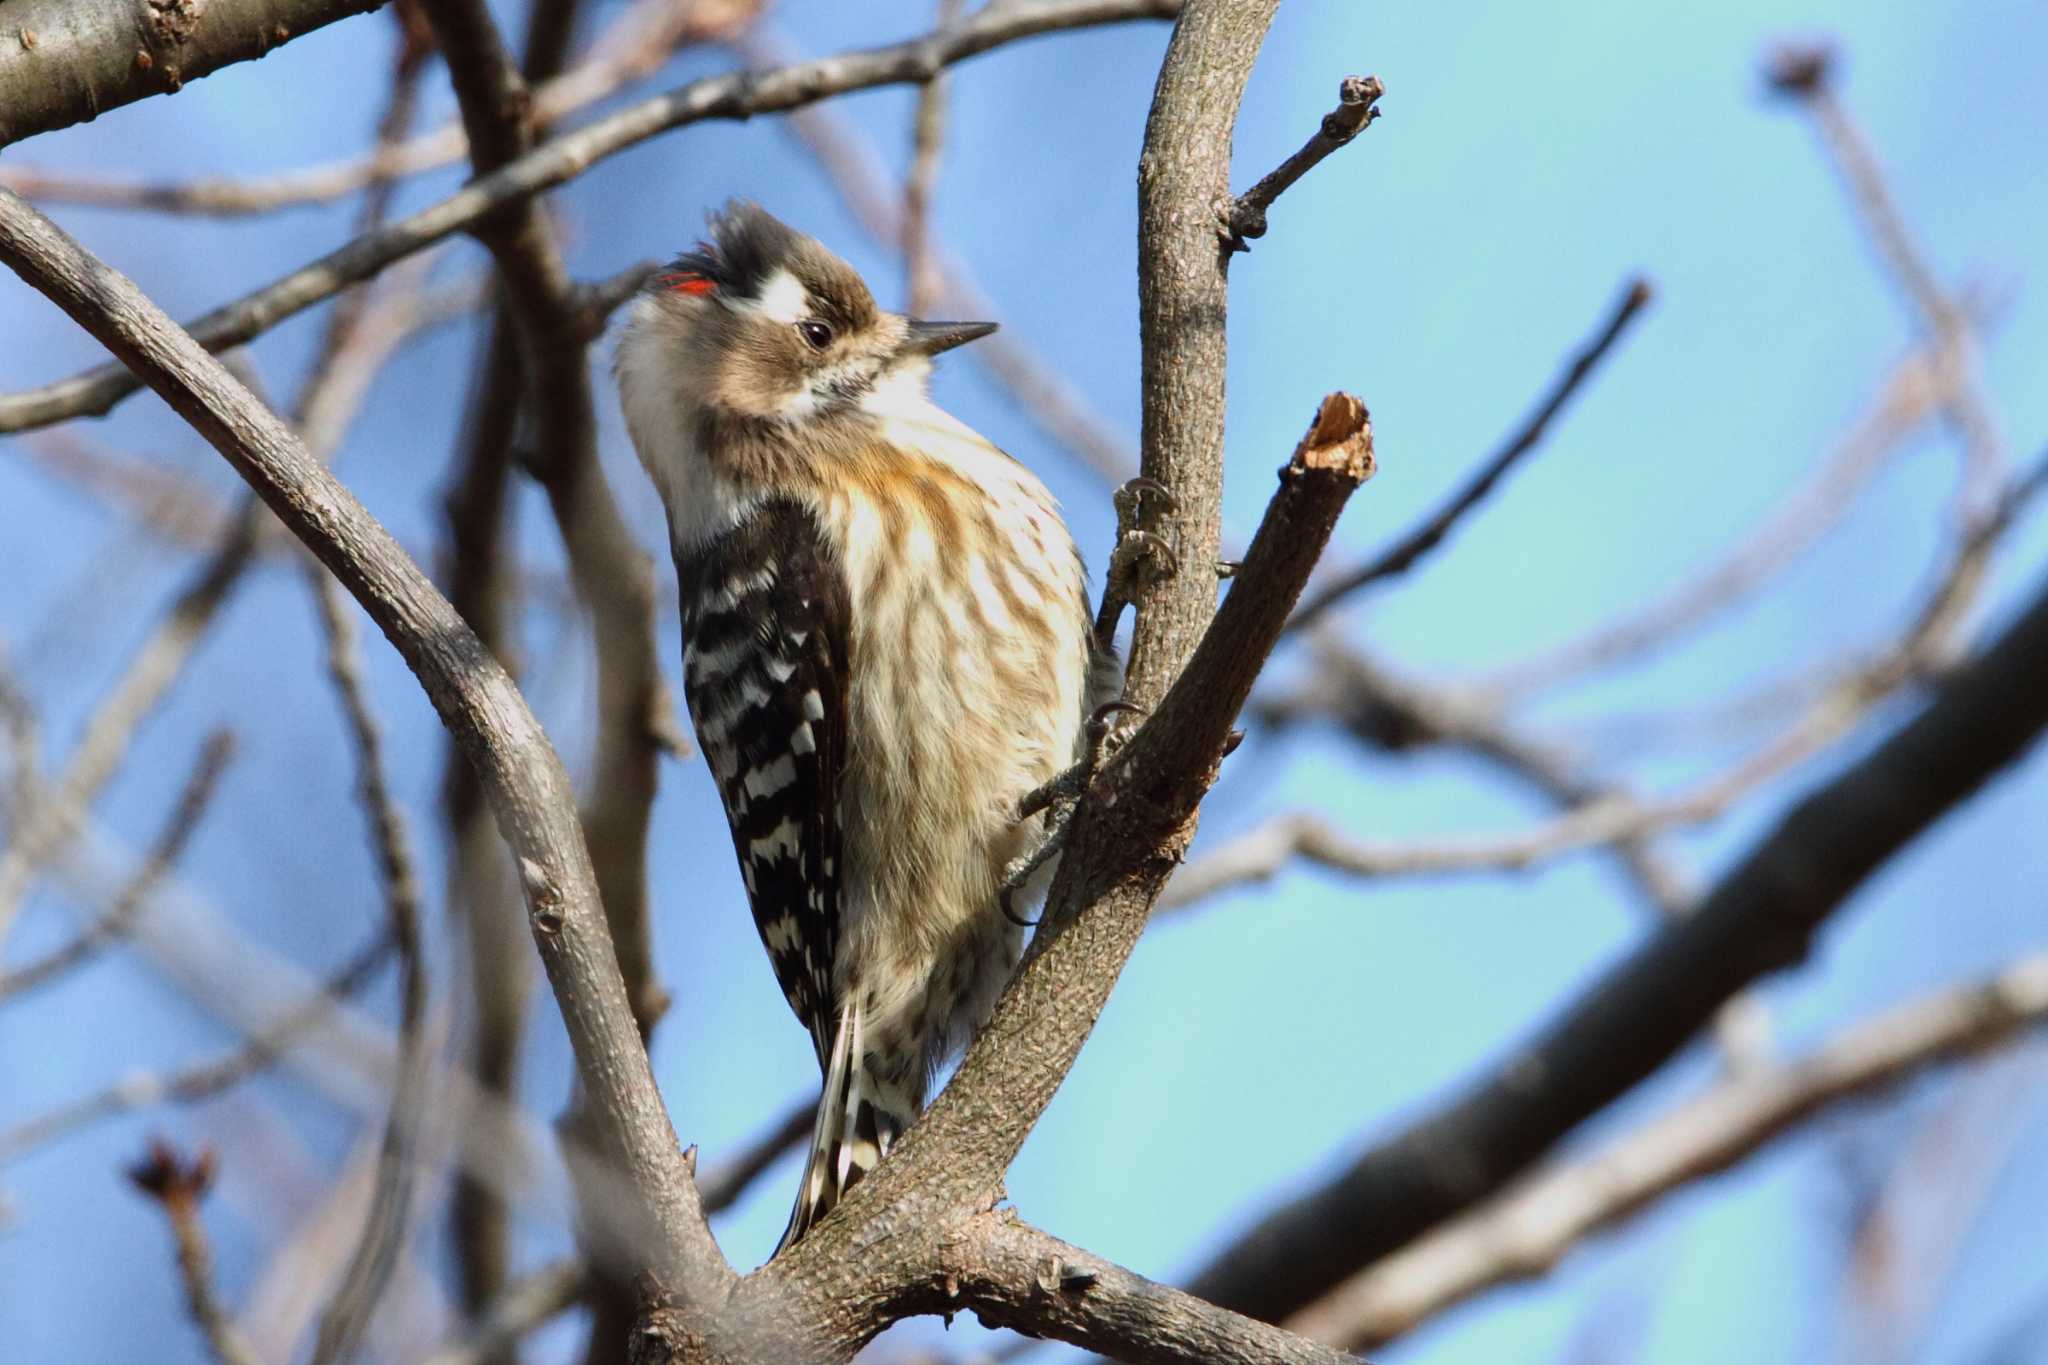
(67, 61)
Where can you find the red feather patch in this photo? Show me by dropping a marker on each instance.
(687, 284)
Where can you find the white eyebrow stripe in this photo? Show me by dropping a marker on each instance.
(783, 299)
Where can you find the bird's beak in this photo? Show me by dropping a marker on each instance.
(930, 338)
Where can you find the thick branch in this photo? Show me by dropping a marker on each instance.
(524, 778)
(66, 61)
(1760, 918)
(1013, 1275)
(736, 95)
(1528, 1230)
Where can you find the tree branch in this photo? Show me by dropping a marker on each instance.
(66, 61)
(1404, 553)
(384, 1223)
(1807, 76)
(1917, 387)
(923, 282)
(524, 778)
(633, 48)
(613, 576)
(1357, 106)
(177, 1185)
(1760, 918)
(1013, 1275)
(183, 822)
(736, 95)
(522, 1307)
(202, 1081)
(1530, 1228)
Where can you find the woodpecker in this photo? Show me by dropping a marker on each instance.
(887, 645)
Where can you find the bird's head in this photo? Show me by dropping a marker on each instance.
(762, 322)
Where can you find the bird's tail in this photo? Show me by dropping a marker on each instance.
(859, 1118)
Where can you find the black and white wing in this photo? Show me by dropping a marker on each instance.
(765, 625)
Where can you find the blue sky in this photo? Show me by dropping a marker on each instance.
(1530, 159)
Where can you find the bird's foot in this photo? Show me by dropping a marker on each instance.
(1145, 548)
(1060, 798)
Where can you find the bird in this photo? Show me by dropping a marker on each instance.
(887, 646)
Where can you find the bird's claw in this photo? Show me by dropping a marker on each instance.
(1061, 797)
(1142, 504)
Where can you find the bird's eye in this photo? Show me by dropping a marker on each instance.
(818, 334)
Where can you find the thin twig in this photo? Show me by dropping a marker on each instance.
(634, 47)
(1357, 107)
(204, 1080)
(177, 1185)
(151, 671)
(348, 1313)
(1916, 387)
(333, 397)
(1528, 1229)
(1404, 553)
(1807, 75)
(182, 823)
(521, 1307)
(922, 282)
(1614, 817)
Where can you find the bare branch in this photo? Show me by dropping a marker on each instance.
(1529, 1228)
(531, 1301)
(204, 1080)
(1916, 388)
(1404, 553)
(736, 95)
(1013, 1275)
(523, 1306)
(525, 780)
(154, 667)
(1357, 106)
(177, 1185)
(186, 813)
(348, 1314)
(482, 887)
(1806, 75)
(1758, 919)
(614, 578)
(922, 282)
(66, 61)
(1397, 715)
(635, 46)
